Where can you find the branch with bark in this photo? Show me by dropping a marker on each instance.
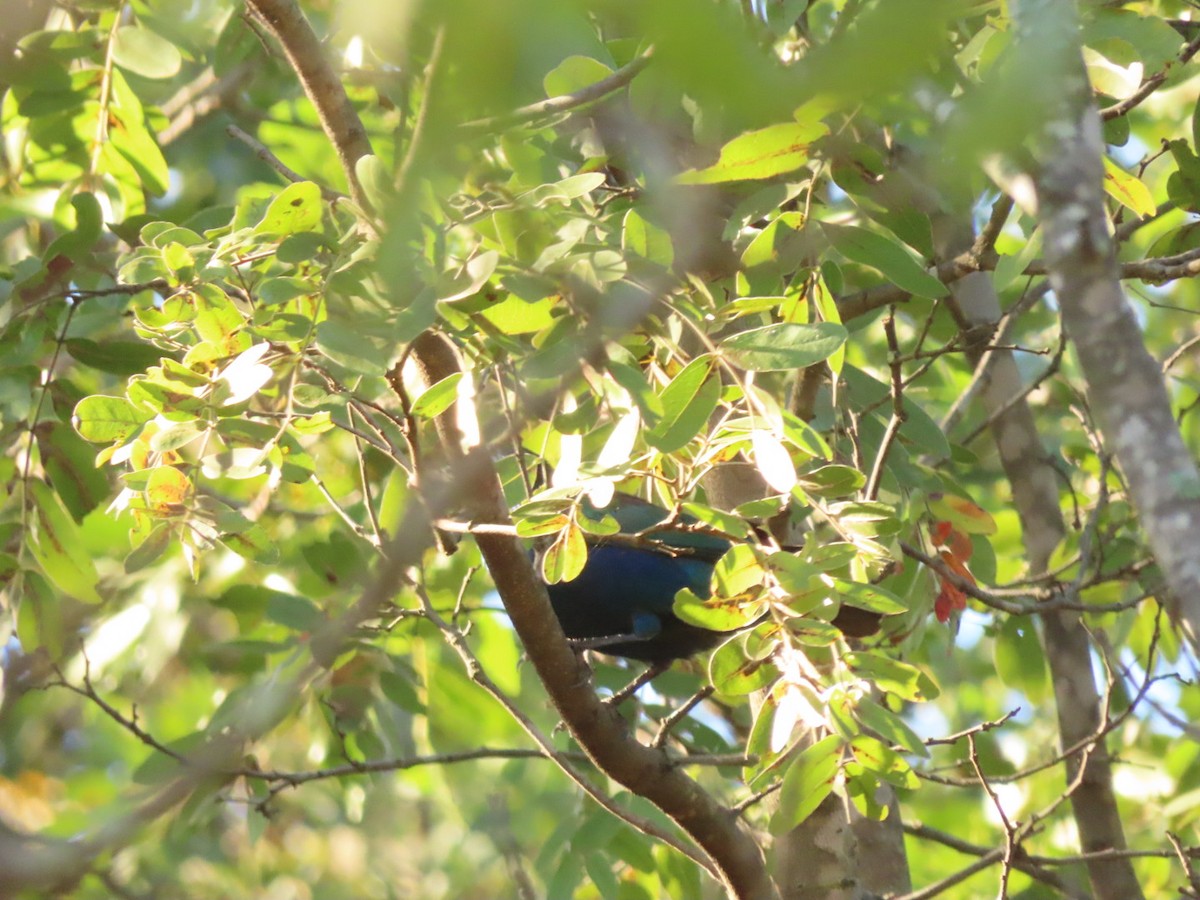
(1124, 382)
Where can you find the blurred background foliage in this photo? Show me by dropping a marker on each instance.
(232, 335)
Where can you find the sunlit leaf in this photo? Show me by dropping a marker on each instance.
(566, 557)
(436, 399)
(1127, 189)
(809, 779)
(145, 53)
(687, 403)
(56, 543)
(767, 152)
(296, 208)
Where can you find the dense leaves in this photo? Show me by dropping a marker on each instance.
(710, 254)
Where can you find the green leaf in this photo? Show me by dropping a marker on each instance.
(116, 357)
(785, 346)
(825, 304)
(716, 614)
(687, 403)
(886, 763)
(561, 193)
(467, 281)
(888, 725)
(918, 426)
(719, 520)
(296, 208)
(273, 291)
(764, 153)
(364, 352)
(831, 556)
(832, 481)
(573, 73)
(376, 181)
(437, 398)
(808, 781)
(103, 420)
(1127, 189)
(646, 240)
(57, 544)
(899, 678)
(295, 612)
(400, 690)
(89, 221)
(150, 549)
(536, 525)
(738, 572)
(145, 53)
(253, 543)
(566, 557)
(735, 674)
(514, 315)
(870, 597)
(871, 518)
(893, 260)
(39, 615)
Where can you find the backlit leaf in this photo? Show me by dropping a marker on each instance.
(764, 153)
(809, 780)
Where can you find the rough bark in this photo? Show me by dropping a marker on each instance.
(1125, 387)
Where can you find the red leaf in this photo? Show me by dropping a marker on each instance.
(939, 533)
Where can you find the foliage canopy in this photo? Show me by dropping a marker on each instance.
(298, 300)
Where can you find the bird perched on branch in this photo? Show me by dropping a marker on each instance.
(621, 603)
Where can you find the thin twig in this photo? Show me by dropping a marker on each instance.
(565, 102)
(898, 414)
(262, 152)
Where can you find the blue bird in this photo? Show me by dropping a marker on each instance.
(621, 603)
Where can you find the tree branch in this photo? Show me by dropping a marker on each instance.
(565, 102)
(597, 726)
(306, 55)
(1124, 382)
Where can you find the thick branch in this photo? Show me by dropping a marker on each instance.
(598, 727)
(1124, 382)
(304, 52)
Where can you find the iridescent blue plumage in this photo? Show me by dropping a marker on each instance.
(621, 602)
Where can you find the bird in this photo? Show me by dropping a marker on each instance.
(621, 603)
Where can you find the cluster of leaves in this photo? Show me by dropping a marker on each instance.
(235, 373)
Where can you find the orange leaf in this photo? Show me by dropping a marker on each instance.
(962, 514)
(960, 545)
(940, 532)
(956, 565)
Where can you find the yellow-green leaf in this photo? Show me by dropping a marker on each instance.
(1127, 189)
(57, 545)
(764, 153)
(808, 781)
(296, 208)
